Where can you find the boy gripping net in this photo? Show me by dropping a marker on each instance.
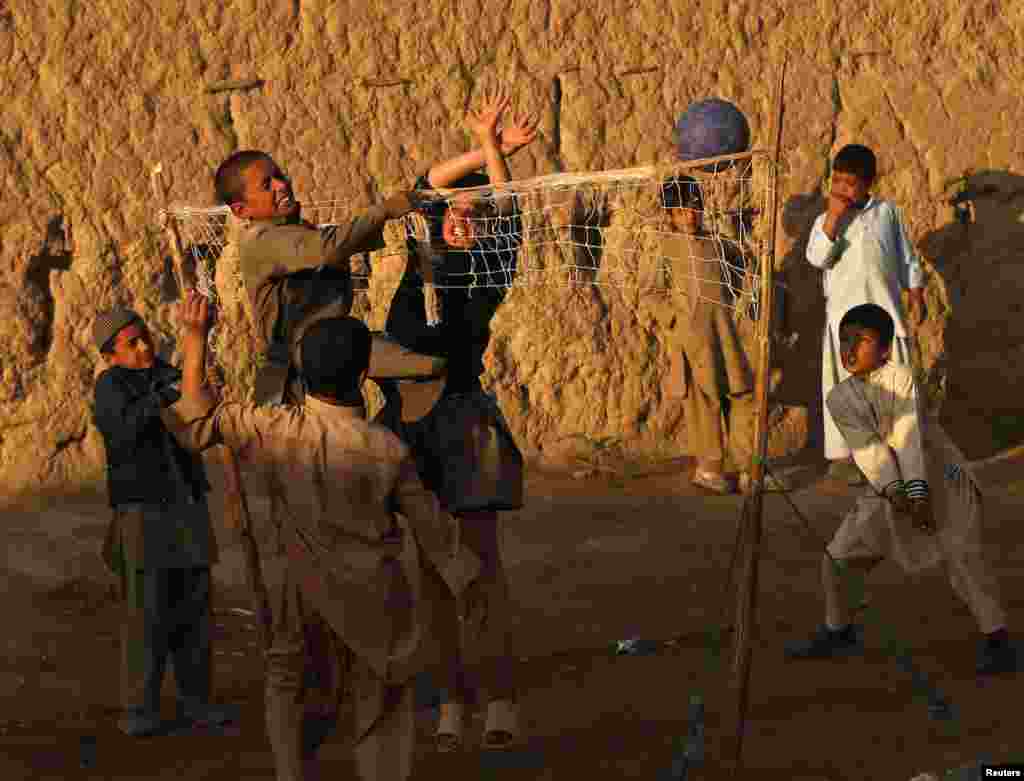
(608, 228)
(699, 229)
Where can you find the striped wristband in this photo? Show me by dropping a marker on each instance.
(916, 489)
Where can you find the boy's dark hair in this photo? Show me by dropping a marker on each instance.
(874, 317)
(681, 192)
(858, 160)
(227, 182)
(335, 352)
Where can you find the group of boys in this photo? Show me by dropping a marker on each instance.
(380, 561)
(922, 503)
(391, 564)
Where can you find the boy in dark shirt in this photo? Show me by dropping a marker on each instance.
(160, 542)
(463, 448)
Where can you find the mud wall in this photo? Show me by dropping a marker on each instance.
(359, 97)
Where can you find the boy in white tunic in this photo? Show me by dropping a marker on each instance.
(923, 507)
(861, 245)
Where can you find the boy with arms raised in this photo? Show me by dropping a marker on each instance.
(861, 245)
(160, 542)
(369, 553)
(463, 447)
(923, 507)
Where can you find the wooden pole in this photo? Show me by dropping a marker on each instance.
(753, 505)
(236, 502)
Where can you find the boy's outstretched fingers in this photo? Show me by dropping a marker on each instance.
(520, 131)
(494, 102)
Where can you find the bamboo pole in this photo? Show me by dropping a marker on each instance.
(753, 505)
(236, 502)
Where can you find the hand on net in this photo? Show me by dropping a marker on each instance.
(195, 315)
(431, 304)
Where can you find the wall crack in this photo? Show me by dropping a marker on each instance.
(556, 125)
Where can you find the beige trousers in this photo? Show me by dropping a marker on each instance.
(714, 434)
(481, 669)
(383, 734)
(969, 573)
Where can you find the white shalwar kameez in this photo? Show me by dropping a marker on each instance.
(892, 441)
(871, 263)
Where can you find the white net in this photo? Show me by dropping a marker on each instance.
(695, 230)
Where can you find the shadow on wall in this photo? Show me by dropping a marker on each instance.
(982, 262)
(53, 255)
(803, 315)
(981, 349)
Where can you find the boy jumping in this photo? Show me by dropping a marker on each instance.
(923, 507)
(296, 274)
(463, 447)
(861, 245)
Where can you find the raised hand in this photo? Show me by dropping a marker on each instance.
(519, 132)
(484, 123)
(194, 314)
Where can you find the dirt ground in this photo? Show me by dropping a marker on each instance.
(591, 560)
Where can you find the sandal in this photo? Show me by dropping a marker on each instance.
(502, 726)
(449, 728)
(714, 482)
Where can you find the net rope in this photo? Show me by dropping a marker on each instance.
(692, 229)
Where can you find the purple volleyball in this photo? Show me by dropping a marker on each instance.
(709, 128)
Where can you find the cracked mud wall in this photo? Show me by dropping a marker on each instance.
(359, 98)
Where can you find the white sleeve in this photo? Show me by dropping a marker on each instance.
(906, 439)
(911, 273)
(821, 250)
(856, 421)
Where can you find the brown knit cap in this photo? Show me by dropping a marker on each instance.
(109, 323)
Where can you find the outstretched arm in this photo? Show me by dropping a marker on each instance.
(484, 125)
(199, 420)
(195, 326)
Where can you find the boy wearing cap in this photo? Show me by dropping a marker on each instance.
(160, 542)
